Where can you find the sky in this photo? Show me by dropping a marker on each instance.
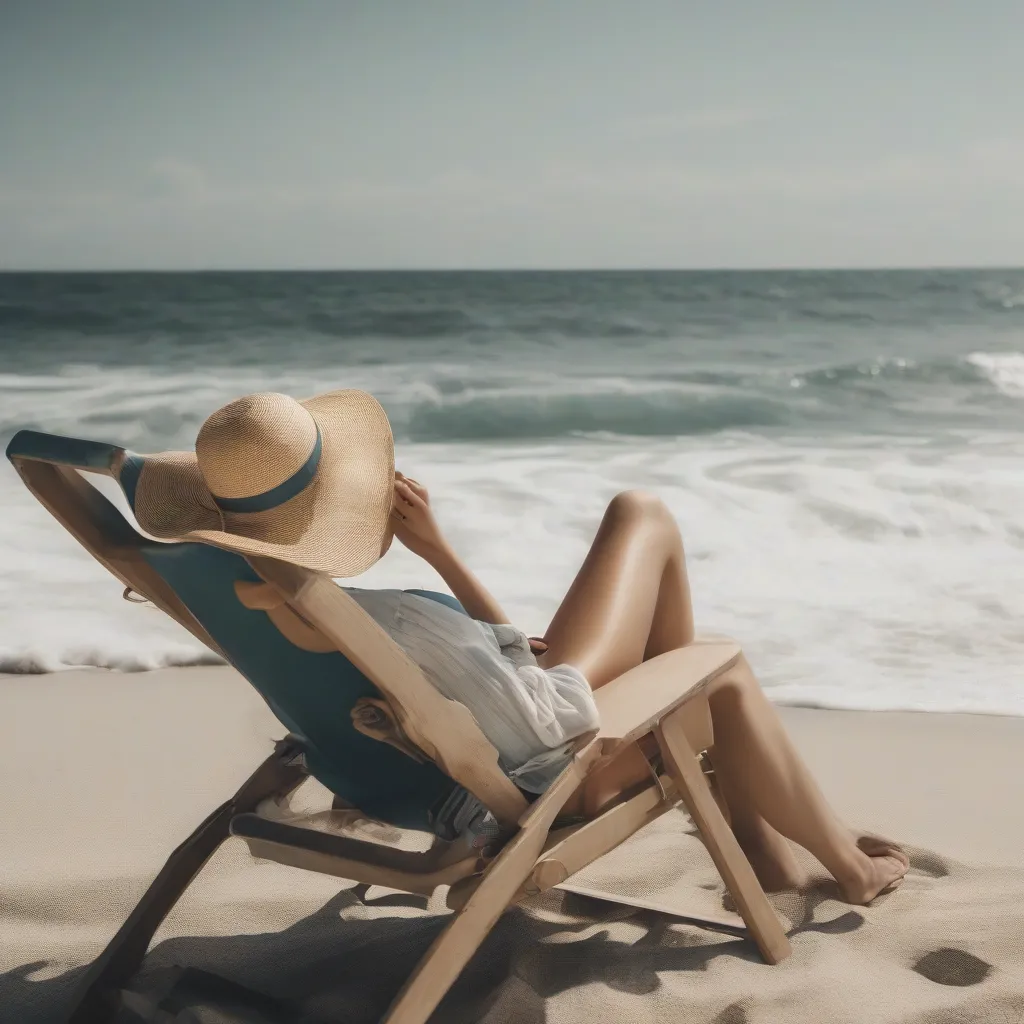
(268, 134)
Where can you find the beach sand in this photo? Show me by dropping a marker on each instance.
(104, 773)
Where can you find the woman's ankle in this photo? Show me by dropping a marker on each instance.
(842, 858)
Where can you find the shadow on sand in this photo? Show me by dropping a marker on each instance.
(328, 967)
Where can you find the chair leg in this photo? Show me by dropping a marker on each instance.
(454, 947)
(95, 998)
(708, 768)
(684, 768)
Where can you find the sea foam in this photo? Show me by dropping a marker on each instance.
(856, 576)
(1005, 370)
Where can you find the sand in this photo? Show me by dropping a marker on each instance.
(105, 773)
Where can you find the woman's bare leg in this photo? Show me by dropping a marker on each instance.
(631, 598)
(756, 762)
(631, 601)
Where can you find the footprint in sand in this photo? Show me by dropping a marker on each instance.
(948, 966)
(732, 1014)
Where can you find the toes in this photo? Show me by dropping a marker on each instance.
(896, 877)
(897, 872)
(901, 864)
(877, 846)
(869, 839)
(886, 872)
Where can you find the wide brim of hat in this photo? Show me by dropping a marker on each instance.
(335, 525)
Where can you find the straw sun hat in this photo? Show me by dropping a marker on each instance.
(310, 482)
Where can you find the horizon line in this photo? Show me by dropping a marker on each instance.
(837, 269)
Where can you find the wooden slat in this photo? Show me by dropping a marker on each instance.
(730, 923)
(636, 701)
(759, 915)
(570, 849)
(595, 838)
(356, 859)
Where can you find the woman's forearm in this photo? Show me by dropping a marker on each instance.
(468, 590)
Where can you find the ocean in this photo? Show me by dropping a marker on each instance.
(844, 451)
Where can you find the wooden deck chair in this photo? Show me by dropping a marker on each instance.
(324, 655)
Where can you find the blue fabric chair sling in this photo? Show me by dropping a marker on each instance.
(312, 694)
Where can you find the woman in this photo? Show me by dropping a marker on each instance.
(313, 482)
(631, 601)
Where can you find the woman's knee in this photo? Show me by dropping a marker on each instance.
(641, 506)
(735, 685)
(638, 504)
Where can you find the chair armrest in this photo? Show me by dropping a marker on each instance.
(632, 704)
(91, 456)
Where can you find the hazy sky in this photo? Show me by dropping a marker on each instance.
(565, 133)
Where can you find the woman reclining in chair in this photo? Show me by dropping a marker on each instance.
(313, 482)
(629, 602)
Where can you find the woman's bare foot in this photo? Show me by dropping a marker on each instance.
(881, 866)
(879, 846)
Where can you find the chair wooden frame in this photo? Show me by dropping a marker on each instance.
(664, 697)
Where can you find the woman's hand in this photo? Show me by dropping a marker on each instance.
(416, 528)
(413, 519)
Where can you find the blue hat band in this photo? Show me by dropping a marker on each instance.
(294, 485)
